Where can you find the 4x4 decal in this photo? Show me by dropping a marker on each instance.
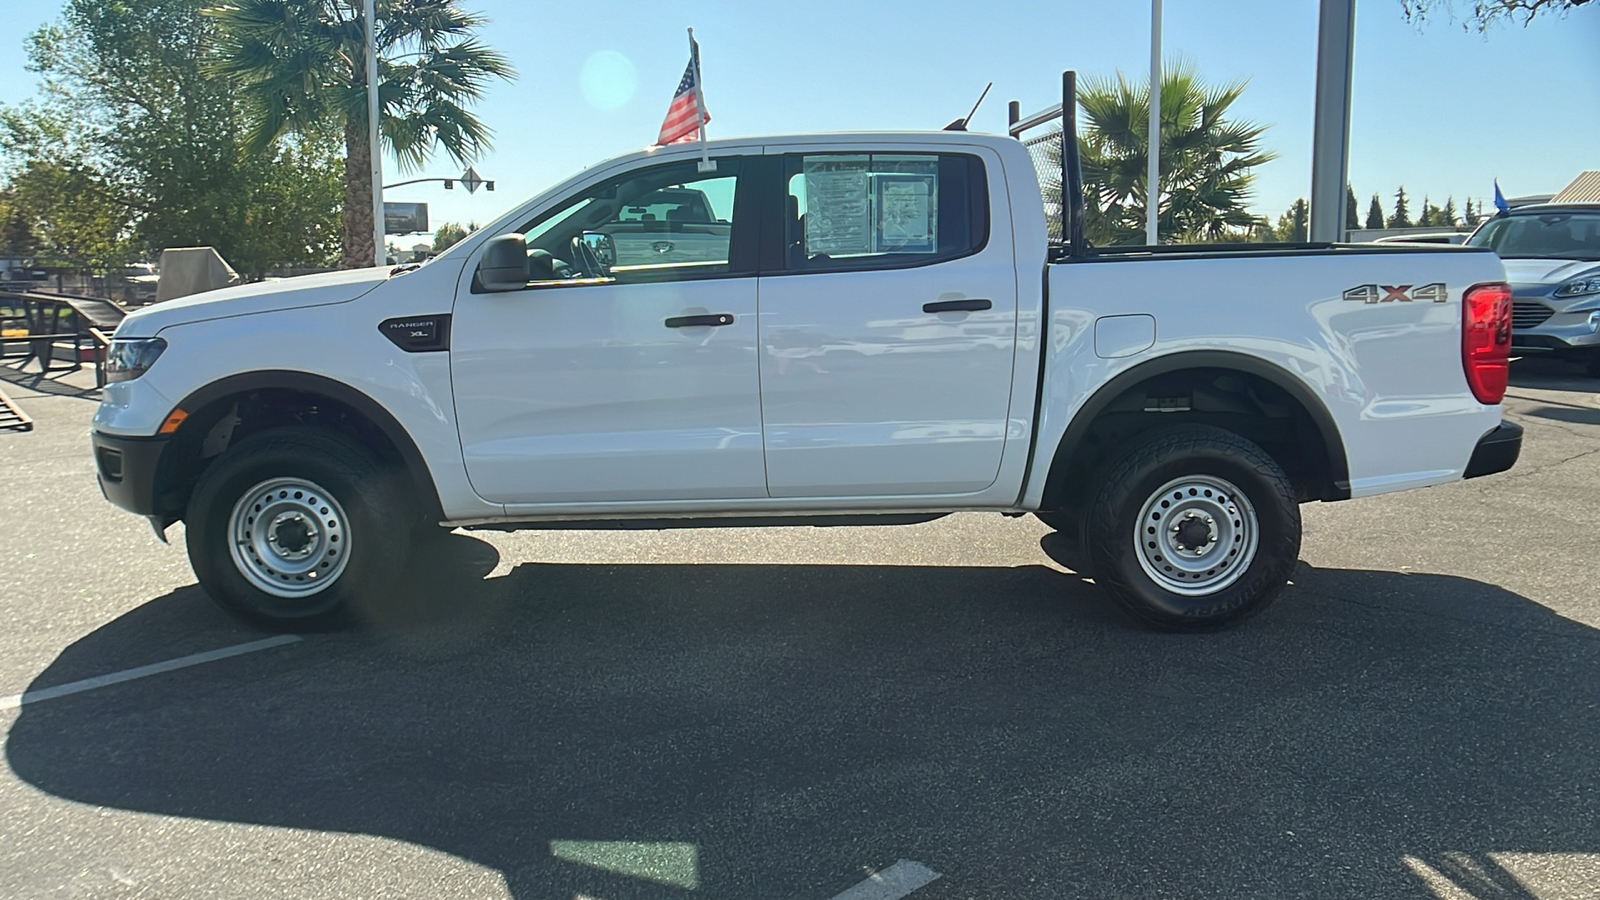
(1386, 293)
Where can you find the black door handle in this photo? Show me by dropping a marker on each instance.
(713, 319)
(957, 305)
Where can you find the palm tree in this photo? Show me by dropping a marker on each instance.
(300, 66)
(1206, 159)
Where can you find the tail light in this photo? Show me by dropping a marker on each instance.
(1486, 340)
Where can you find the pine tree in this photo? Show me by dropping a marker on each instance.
(1472, 216)
(1352, 216)
(1448, 214)
(1293, 225)
(1375, 213)
(1401, 218)
(1426, 218)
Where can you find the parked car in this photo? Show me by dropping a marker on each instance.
(885, 336)
(672, 226)
(1435, 237)
(135, 283)
(1552, 258)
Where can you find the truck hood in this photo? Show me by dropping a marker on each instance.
(1548, 271)
(248, 299)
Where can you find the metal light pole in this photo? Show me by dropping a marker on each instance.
(1330, 148)
(1152, 228)
(374, 147)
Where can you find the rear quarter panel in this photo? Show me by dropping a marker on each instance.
(1389, 373)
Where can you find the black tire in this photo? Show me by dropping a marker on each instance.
(376, 531)
(1262, 531)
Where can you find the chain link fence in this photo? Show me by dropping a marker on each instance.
(1044, 148)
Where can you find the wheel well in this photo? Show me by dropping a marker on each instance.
(223, 418)
(1248, 404)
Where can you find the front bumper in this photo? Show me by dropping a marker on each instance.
(1542, 323)
(1497, 451)
(126, 468)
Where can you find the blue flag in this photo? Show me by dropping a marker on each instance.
(1499, 198)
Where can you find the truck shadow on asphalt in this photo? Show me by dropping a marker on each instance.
(769, 730)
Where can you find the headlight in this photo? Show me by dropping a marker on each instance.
(131, 357)
(1579, 288)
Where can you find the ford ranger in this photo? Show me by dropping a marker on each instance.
(880, 333)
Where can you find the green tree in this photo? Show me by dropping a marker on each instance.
(1352, 215)
(300, 66)
(1473, 214)
(59, 204)
(17, 237)
(1374, 213)
(1401, 217)
(156, 144)
(1294, 224)
(1207, 159)
(1448, 215)
(1481, 14)
(65, 214)
(1426, 217)
(449, 234)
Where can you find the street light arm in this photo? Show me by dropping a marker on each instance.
(415, 181)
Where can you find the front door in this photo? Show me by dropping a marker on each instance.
(888, 327)
(626, 370)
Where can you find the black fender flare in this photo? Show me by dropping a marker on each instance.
(1333, 443)
(305, 382)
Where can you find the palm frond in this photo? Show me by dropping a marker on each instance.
(1207, 158)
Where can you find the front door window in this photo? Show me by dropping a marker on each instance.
(664, 223)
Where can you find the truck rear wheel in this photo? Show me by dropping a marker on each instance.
(1195, 527)
(289, 527)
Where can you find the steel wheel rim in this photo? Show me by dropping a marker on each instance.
(1196, 535)
(289, 538)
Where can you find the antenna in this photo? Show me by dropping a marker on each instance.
(961, 123)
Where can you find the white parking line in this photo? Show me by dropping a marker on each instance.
(182, 662)
(892, 883)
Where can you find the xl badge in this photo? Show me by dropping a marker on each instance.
(1387, 293)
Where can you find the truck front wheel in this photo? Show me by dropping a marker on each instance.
(293, 524)
(1195, 527)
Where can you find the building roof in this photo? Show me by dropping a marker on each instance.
(1583, 189)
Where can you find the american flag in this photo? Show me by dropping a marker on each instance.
(686, 114)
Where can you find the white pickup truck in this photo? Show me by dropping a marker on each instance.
(884, 336)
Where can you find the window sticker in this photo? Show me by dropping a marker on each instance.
(869, 204)
(838, 207)
(904, 220)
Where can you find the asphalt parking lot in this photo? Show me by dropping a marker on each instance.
(783, 713)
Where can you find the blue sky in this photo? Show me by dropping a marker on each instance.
(1437, 109)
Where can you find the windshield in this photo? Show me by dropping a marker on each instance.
(1549, 235)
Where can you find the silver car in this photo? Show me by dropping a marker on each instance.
(1552, 258)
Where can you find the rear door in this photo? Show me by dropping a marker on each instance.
(888, 324)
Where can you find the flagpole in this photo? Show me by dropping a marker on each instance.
(1152, 199)
(706, 165)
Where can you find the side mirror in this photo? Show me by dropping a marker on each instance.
(505, 263)
(603, 246)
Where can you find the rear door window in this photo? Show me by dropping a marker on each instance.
(851, 211)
